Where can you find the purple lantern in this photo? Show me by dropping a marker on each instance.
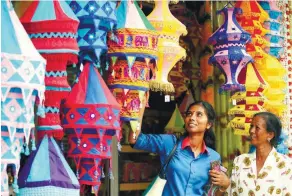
(229, 49)
(47, 172)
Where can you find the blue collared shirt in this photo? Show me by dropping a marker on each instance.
(186, 174)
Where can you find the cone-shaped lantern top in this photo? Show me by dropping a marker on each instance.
(46, 171)
(90, 103)
(52, 26)
(21, 64)
(136, 37)
(252, 79)
(130, 15)
(176, 122)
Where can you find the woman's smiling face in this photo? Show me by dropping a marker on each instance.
(258, 131)
(196, 119)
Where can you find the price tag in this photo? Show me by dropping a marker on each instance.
(166, 98)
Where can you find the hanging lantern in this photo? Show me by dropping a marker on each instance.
(169, 52)
(90, 119)
(96, 19)
(229, 49)
(52, 27)
(22, 83)
(176, 123)
(131, 57)
(249, 102)
(47, 171)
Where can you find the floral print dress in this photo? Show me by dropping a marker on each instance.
(275, 177)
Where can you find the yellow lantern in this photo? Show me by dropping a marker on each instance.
(169, 50)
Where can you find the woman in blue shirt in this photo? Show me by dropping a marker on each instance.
(188, 170)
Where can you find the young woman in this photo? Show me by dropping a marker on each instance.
(187, 172)
(265, 171)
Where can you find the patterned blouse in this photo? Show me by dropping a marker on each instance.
(275, 177)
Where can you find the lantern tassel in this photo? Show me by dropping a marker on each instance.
(164, 87)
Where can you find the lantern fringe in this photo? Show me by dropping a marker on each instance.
(161, 86)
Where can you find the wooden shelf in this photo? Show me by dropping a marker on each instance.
(134, 186)
(129, 149)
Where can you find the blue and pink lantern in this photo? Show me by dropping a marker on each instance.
(90, 118)
(229, 43)
(52, 27)
(22, 84)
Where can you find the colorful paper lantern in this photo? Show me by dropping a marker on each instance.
(90, 118)
(131, 56)
(169, 52)
(249, 102)
(52, 27)
(176, 123)
(22, 82)
(96, 19)
(229, 49)
(47, 172)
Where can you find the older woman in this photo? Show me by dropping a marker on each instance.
(187, 172)
(265, 171)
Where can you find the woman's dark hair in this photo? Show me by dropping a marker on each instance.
(273, 124)
(209, 136)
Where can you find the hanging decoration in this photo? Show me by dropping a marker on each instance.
(249, 102)
(131, 58)
(269, 67)
(96, 19)
(176, 123)
(52, 27)
(47, 172)
(22, 83)
(169, 51)
(229, 49)
(274, 35)
(90, 118)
